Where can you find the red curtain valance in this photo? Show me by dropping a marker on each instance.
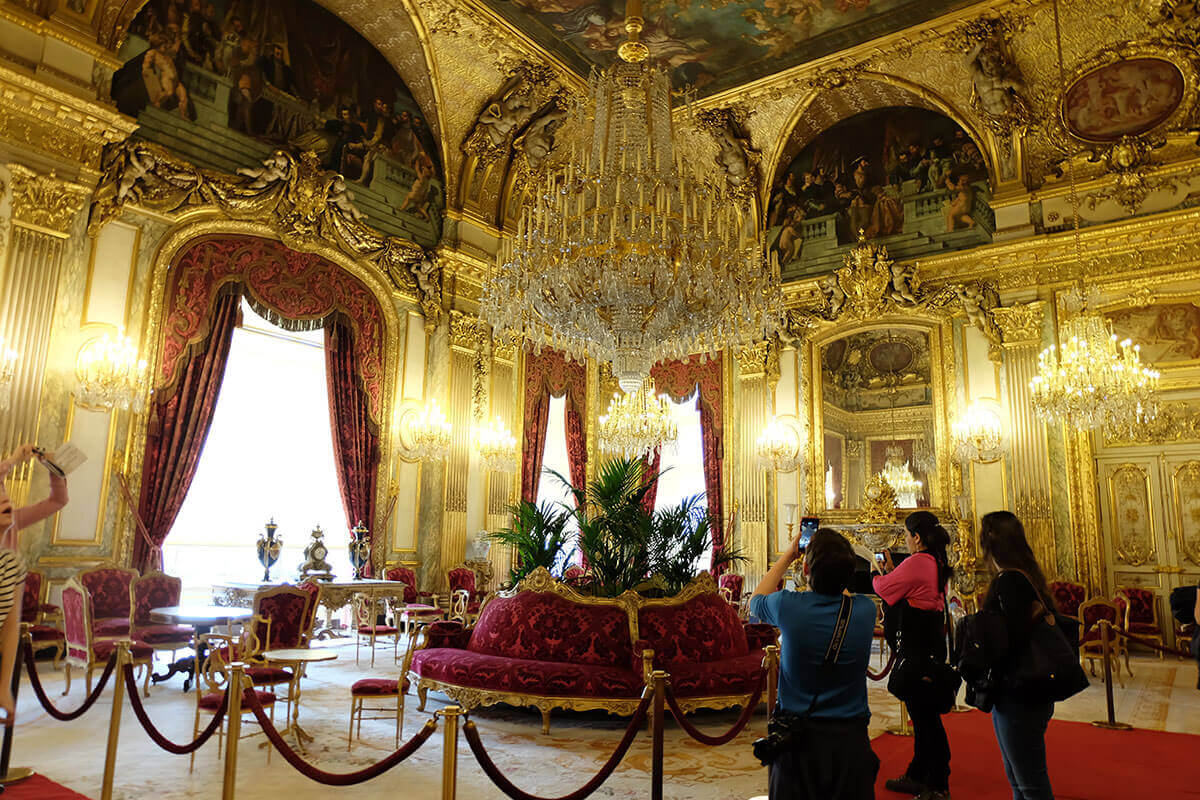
(299, 286)
(551, 374)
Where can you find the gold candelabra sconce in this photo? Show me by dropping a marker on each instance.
(780, 446)
(497, 447)
(979, 433)
(111, 374)
(424, 432)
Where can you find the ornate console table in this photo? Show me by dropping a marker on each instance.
(334, 594)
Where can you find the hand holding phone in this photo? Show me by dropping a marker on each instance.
(808, 527)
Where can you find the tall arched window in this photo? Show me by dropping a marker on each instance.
(682, 463)
(550, 488)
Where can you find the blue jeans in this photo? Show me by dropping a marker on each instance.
(1021, 733)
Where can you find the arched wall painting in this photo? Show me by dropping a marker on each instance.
(1125, 98)
(908, 176)
(224, 82)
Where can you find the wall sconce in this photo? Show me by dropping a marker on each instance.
(497, 447)
(979, 433)
(780, 444)
(110, 374)
(8, 373)
(424, 432)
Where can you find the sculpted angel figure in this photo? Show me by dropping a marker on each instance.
(538, 139)
(733, 156)
(342, 199)
(902, 288)
(425, 272)
(973, 302)
(833, 294)
(997, 83)
(506, 111)
(139, 163)
(277, 167)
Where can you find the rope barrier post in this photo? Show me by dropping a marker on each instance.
(237, 672)
(13, 774)
(659, 678)
(114, 723)
(905, 727)
(1111, 722)
(772, 666)
(450, 751)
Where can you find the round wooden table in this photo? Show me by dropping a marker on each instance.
(203, 619)
(296, 658)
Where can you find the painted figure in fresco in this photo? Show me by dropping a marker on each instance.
(960, 204)
(379, 132)
(791, 238)
(998, 84)
(784, 198)
(274, 68)
(420, 196)
(161, 73)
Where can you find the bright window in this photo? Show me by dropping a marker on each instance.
(269, 453)
(550, 488)
(682, 464)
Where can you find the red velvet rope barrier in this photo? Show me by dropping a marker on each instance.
(334, 778)
(1168, 650)
(139, 711)
(505, 785)
(51, 709)
(725, 738)
(883, 673)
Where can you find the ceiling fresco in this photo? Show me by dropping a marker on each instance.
(716, 44)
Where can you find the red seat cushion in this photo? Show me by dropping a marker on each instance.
(45, 633)
(378, 630)
(484, 671)
(48, 608)
(545, 627)
(704, 629)
(1144, 628)
(212, 700)
(731, 676)
(376, 686)
(261, 675)
(163, 634)
(102, 650)
(110, 626)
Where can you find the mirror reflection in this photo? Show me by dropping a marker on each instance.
(877, 415)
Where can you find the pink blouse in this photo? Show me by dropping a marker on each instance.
(915, 580)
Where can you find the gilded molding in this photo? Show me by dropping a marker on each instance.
(1174, 422)
(1021, 323)
(45, 202)
(467, 331)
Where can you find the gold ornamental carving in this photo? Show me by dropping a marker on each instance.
(528, 91)
(1173, 422)
(1132, 528)
(46, 201)
(305, 204)
(1186, 485)
(879, 501)
(1021, 323)
(467, 332)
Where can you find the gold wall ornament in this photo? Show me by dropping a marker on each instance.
(1132, 525)
(1129, 165)
(736, 157)
(1021, 323)
(1185, 483)
(45, 202)
(1169, 422)
(305, 204)
(879, 501)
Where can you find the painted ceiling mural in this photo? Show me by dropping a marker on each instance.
(225, 82)
(908, 176)
(715, 44)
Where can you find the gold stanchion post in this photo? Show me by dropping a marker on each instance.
(10, 774)
(772, 664)
(904, 728)
(1106, 653)
(659, 678)
(233, 717)
(114, 721)
(450, 751)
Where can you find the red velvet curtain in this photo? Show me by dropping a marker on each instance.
(533, 448)
(679, 380)
(650, 467)
(179, 423)
(355, 434)
(551, 374)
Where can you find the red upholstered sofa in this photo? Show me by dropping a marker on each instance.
(544, 645)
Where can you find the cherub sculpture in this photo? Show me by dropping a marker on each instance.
(275, 169)
(341, 198)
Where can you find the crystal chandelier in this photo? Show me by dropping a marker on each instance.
(497, 447)
(979, 434)
(1092, 380)
(637, 422)
(111, 375)
(779, 446)
(625, 254)
(898, 474)
(8, 372)
(425, 433)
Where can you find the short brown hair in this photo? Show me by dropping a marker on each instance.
(830, 560)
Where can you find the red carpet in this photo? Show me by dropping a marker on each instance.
(39, 787)
(1086, 763)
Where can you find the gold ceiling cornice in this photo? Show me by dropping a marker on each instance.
(83, 40)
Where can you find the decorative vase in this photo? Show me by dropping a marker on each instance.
(268, 546)
(360, 549)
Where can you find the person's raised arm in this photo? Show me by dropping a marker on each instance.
(770, 582)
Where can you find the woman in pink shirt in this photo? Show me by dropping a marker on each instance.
(915, 593)
(12, 566)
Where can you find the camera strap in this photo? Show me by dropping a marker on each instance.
(833, 650)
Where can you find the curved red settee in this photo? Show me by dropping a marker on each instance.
(544, 645)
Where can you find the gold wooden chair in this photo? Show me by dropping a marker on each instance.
(367, 610)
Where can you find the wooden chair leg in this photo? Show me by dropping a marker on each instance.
(87, 680)
(148, 666)
(373, 637)
(60, 651)
(67, 690)
(350, 734)
(195, 733)
(399, 713)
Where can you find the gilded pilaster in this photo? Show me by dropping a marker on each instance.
(468, 394)
(501, 486)
(753, 405)
(1021, 325)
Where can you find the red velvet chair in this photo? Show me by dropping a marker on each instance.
(372, 690)
(463, 578)
(406, 576)
(1120, 643)
(157, 590)
(1091, 612)
(84, 649)
(730, 585)
(313, 588)
(34, 612)
(1142, 617)
(1069, 595)
(108, 586)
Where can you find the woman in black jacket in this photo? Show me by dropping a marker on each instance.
(1018, 594)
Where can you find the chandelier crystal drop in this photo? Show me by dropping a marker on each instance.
(497, 447)
(110, 374)
(625, 253)
(636, 423)
(898, 474)
(427, 433)
(1092, 380)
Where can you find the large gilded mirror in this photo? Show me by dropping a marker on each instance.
(879, 405)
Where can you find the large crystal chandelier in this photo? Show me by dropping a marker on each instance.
(624, 253)
(637, 421)
(110, 374)
(898, 474)
(497, 447)
(1092, 380)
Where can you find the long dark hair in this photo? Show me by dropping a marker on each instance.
(935, 539)
(1002, 540)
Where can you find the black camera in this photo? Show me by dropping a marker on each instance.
(782, 731)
